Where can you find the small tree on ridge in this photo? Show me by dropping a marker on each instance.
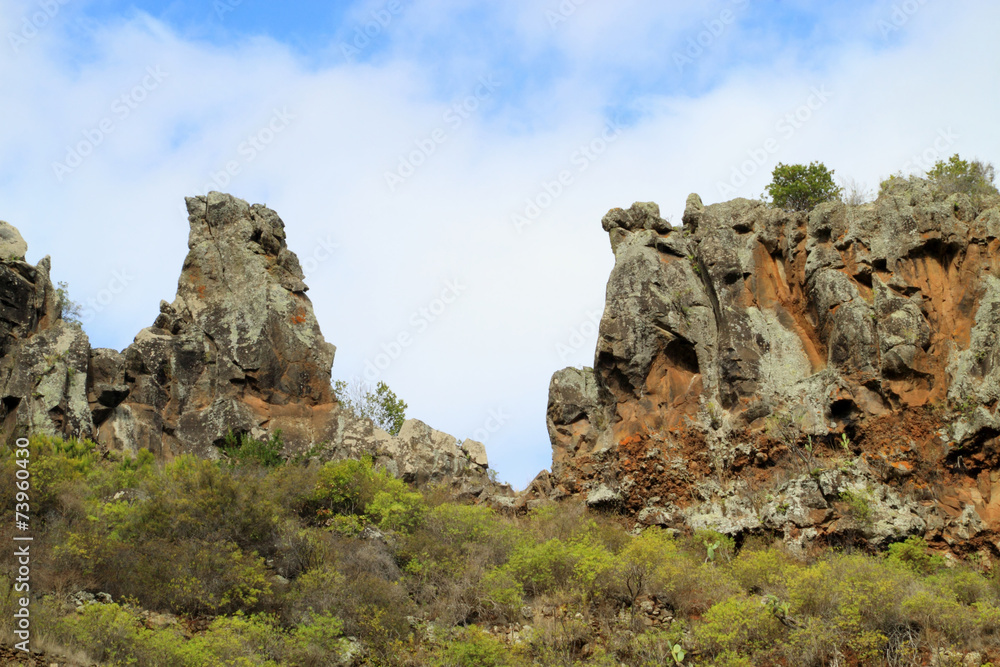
(798, 187)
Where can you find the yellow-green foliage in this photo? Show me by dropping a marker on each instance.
(355, 487)
(860, 597)
(193, 541)
(763, 571)
(471, 647)
(56, 466)
(739, 625)
(205, 538)
(116, 635)
(914, 554)
(451, 561)
(692, 587)
(581, 564)
(637, 565)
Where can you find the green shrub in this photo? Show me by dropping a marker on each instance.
(957, 175)
(812, 642)
(962, 583)
(317, 642)
(739, 625)
(355, 487)
(369, 606)
(914, 554)
(580, 564)
(500, 595)
(859, 508)
(59, 474)
(395, 507)
(447, 560)
(636, 565)
(381, 405)
(242, 449)
(345, 487)
(763, 571)
(798, 187)
(238, 641)
(944, 614)
(692, 587)
(211, 578)
(860, 597)
(114, 635)
(472, 647)
(197, 499)
(68, 309)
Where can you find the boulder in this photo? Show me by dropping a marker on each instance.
(12, 245)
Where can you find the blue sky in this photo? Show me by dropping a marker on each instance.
(427, 154)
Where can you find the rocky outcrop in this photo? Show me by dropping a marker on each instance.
(238, 349)
(754, 345)
(43, 358)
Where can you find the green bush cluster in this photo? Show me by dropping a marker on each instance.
(117, 635)
(243, 449)
(287, 562)
(799, 187)
(956, 175)
(355, 488)
(379, 404)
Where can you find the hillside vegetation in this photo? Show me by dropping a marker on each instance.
(257, 561)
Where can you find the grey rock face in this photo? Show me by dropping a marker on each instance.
(477, 452)
(754, 333)
(43, 359)
(238, 349)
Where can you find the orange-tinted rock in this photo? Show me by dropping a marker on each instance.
(768, 336)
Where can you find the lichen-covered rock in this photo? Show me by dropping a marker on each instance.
(755, 336)
(43, 358)
(476, 452)
(237, 350)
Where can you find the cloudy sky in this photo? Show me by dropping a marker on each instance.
(442, 166)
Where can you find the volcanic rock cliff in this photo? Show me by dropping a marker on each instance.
(238, 349)
(824, 376)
